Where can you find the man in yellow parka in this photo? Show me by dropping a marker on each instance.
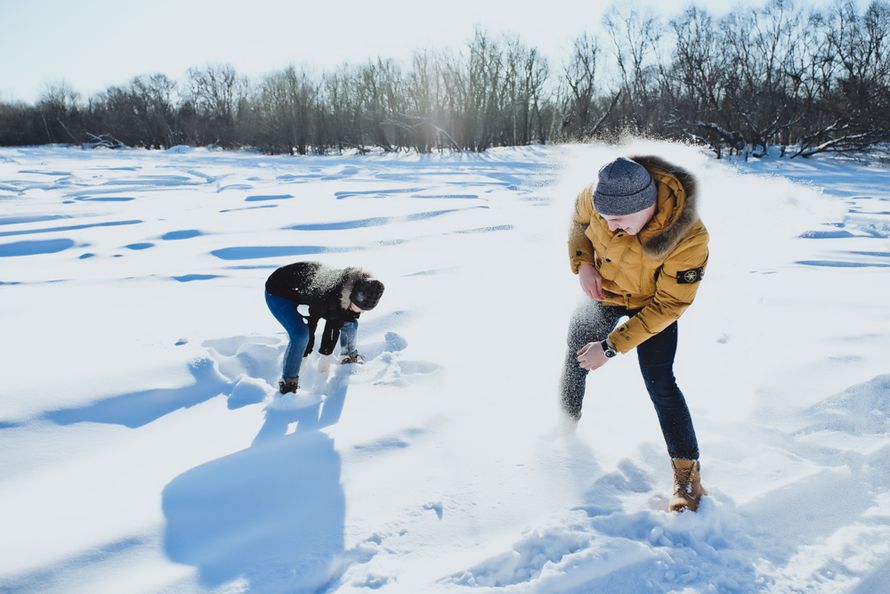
(640, 251)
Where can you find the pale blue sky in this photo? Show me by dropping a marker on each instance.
(92, 44)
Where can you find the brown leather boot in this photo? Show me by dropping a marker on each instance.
(687, 485)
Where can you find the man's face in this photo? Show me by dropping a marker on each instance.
(630, 223)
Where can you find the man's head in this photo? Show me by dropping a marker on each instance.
(365, 294)
(630, 223)
(625, 195)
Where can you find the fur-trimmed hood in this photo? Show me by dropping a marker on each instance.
(679, 194)
(350, 277)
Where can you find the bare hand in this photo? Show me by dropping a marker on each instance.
(591, 281)
(591, 356)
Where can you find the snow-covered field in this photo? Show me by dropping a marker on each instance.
(141, 449)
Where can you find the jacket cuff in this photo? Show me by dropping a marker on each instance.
(624, 339)
(575, 262)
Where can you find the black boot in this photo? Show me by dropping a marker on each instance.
(352, 357)
(288, 384)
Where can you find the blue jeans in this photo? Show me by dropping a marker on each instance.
(347, 336)
(593, 322)
(297, 332)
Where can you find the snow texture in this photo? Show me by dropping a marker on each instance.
(144, 446)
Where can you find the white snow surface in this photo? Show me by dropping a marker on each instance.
(143, 448)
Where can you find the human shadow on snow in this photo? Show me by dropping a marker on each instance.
(136, 409)
(272, 514)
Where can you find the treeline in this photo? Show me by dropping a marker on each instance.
(803, 79)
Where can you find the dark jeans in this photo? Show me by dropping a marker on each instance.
(592, 322)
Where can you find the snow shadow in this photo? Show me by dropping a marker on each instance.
(860, 409)
(840, 234)
(376, 221)
(808, 511)
(68, 228)
(141, 245)
(383, 193)
(872, 582)
(840, 179)
(249, 208)
(48, 172)
(293, 178)
(188, 278)
(447, 196)
(136, 409)
(272, 514)
(94, 194)
(845, 485)
(871, 225)
(29, 219)
(842, 264)
(105, 199)
(253, 252)
(234, 187)
(314, 417)
(155, 180)
(269, 197)
(35, 247)
(47, 579)
(491, 229)
(181, 234)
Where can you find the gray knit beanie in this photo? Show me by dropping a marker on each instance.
(624, 187)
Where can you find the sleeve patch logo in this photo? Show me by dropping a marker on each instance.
(687, 277)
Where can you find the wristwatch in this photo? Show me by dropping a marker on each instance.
(608, 350)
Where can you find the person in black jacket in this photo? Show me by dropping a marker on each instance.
(339, 296)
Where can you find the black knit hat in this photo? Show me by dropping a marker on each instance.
(624, 187)
(366, 293)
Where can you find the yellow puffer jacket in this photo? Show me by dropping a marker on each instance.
(657, 271)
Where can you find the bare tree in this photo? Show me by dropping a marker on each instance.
(216, 92)
(288, 99)
(854, 112)
(635, 38)
(59, 108)
(809, 80)
(484, 91)
(154, 97)
(580, 78)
